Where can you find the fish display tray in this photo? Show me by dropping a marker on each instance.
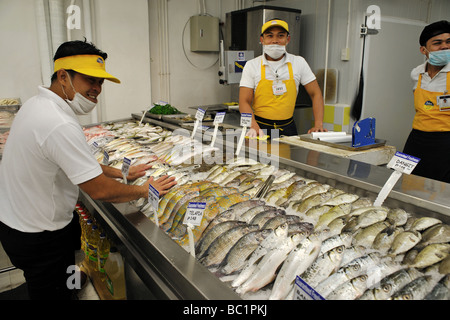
(341, 145)
(181, 118)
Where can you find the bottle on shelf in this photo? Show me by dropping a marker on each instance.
(115, 274)
(87, 226)
(93, 238)
(102, 254)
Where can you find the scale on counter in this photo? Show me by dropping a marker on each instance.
(363, 133)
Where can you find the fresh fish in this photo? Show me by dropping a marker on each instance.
(359, 211)
(333, 213)
(404, 241)
(357, 267)
(314, 213)
(342, 239)
(295, 192)
(227, 215)
(312, 201)
(431, 254)
(208, 237)
(317, 189)
(366, 219)
(214, 171)
(265, 271)
(444, 266)
(276, 221)
(241, 250)
(361, 203)
(244, 206)
(274, 195)
(351, 253)
(424, 223)
(381, 270)
(272, 241)
(251, 213)
(323, 266)
(391, 284)
(341, 199)
(218, 191)
(337, 225)
(261, 218)
(230, 177)
(416, 289)
(219, 248)
(300, 227)
(366, 236)
(437, 234)
(383, 241)
(397, 217)
(441, 290)
(298, 260)
(349, 290)
(284, 177)
(176, 203)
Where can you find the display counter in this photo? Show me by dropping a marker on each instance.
(158, 268)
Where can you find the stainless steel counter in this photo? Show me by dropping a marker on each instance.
(169, 272)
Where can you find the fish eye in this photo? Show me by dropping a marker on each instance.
(386, 288)
(407, 297)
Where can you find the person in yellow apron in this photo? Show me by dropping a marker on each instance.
(268, 87)
(429, 139)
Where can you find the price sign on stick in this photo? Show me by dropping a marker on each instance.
(153, 199)
(125, 168)
(401, 163)
(246, 122)
(193, 217)
(217, 120)
(199, 117)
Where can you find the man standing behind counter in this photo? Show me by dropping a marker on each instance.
(429, 139)
(268, 87)
(45, 162)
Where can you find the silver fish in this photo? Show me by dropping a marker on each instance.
(276, 221)
(320, 188)
(341, 199)
(272, 241)
(441, 290)
(397, 217)
(261, 218)
(383, 241)
(342, 239)
(437, 234)
(310, 202)
(241, 250)
(248, 215)
(298, 260)
(333, 213)
(366, 219)
(244, 206)
(265, 271)
(416, 289)
(219, 248)
(349, 290)
(323, 266)
(366, 236)
(391, 284)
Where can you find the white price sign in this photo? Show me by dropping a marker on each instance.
(126, 166)
(153, 197)
(303, 291)
(403, 162)
(200, 114)
(194, 213)
(246, 120)
(219, 117)
(105, 158)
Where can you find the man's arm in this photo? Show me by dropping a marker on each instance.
(315, 93)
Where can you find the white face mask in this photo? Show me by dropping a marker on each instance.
(80, 105)
(275, 51)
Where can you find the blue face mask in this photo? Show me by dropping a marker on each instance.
(439, 58)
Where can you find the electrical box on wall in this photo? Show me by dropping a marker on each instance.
(204, 33)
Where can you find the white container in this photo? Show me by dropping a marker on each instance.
(115, 275)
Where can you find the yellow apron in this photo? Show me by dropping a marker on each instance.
(275, 107)
(428, 117)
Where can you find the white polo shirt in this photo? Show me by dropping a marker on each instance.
(437, 84)
(251, 75)
(45, 157)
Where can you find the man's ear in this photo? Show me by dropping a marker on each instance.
(424, 51)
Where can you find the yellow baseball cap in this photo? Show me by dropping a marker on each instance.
(275, 23)
(91, 65)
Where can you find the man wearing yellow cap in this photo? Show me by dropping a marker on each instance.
(268, 87)
(45, 161)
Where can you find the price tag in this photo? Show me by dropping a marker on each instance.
(219, 117)
(125, 168)
(246, 120)
(403, 162)
(94, 147)
(194, 213)
(302, 291)
(105, 158)
(200, 114)
(153, 199)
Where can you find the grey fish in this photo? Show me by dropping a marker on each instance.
(397, 217)
(244, 206)
(437, 234)
(353, 252)
(423, 223)
(391, 284)
(404, 241)
(366, 236)
(300, 227)
(441, 290)
(342, 239)
(219, 248)
(323, 266)
(416, 289)
(298, 260)
(226, 215)
(383, 241)
(208, 237)
(251, 213)
(370, 217)
(261, 218)
(341, 199)
(349, 290)
(241, 250)
(276, 221)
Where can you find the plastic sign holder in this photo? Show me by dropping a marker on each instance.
(125, 168)
(153, 199)
(193, 217)
(199, 117)
(218, 119)
(401, 163)
(302, 291)
(363, 132)
(246, 122)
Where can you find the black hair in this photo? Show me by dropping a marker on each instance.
(432, 30)
(76, 47)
